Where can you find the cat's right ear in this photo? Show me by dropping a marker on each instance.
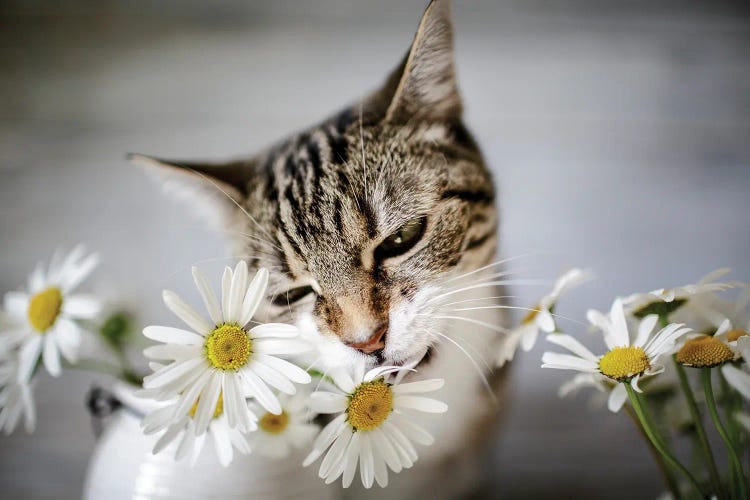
(424, 85)
(216, 190)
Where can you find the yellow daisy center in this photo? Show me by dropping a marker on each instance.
(530, 316)
(228, 347)
(44, 308)
(621, 363)
(735, 334)
(370, 405)
(217, 411)
(704, 352)
(274, 424)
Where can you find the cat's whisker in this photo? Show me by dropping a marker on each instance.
(480, 285)
(362, 146)
(528, 309)
(496, 263)
(478, 299)
(478, 368)
(490, 326)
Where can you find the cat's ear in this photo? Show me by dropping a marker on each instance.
(424, 86)
(215, 189)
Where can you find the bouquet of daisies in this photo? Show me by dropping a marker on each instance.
(676, 361)
(221, 377)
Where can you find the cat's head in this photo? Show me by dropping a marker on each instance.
(362, 218)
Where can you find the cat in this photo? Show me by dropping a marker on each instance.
(372, 224)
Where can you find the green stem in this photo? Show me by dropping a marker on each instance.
(699, 428)
(640, 410)
(666, 473)
(733, 456)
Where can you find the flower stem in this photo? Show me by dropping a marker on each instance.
(666, 472)
(699, 428)
(733, 456)
(651, 432)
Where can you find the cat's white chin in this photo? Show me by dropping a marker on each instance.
(405, 344)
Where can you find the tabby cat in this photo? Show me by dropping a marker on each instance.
(376, 225)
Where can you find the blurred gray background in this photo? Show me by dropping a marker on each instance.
(619, 134)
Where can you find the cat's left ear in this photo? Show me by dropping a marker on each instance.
(425, 82)
(215, 189)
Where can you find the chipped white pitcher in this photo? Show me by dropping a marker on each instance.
(123, 467)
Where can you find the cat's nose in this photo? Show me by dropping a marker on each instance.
(374, 343)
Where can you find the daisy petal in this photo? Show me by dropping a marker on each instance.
(421, 386)
(420, 403)
(208, 295)
(737, 379)
(617, 398)
(572, 345)
(237, 289)
(226, 285)
(171, 335)
(352, 457)
(51, 356)
(327, 402)
(253, 296)
(366, 462)
(335, 454)
(81, 307)
(261, 392)
(280, 346)
(291, 371)
(186, 313)
(645, 328)
(274, 330)
(207, 403)
(172, 373)
(568, 362)
(79, 273)
(273, 378)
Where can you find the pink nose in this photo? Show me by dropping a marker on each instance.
(374, 343)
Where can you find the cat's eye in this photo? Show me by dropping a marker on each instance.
(291, 296)
(402, 240)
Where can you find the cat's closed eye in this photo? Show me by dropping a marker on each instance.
(402, 240)
(291, 296)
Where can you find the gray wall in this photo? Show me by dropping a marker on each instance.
(618, 134)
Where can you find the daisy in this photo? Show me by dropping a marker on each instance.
(626, 361)
(540, 317)
(374, 427)
(278, 434)
(224, 356)
(15, 398)
(693, 300)
(43, 318)
(188, 444)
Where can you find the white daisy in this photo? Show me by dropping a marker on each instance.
(224, 356)
(540, 317)
(183, 433)
(626, 361)
(15, 398)
(693, 301)
(374, 426)
(278, 434)
(43, 319)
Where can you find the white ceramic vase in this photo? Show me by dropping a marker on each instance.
(123, 467)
